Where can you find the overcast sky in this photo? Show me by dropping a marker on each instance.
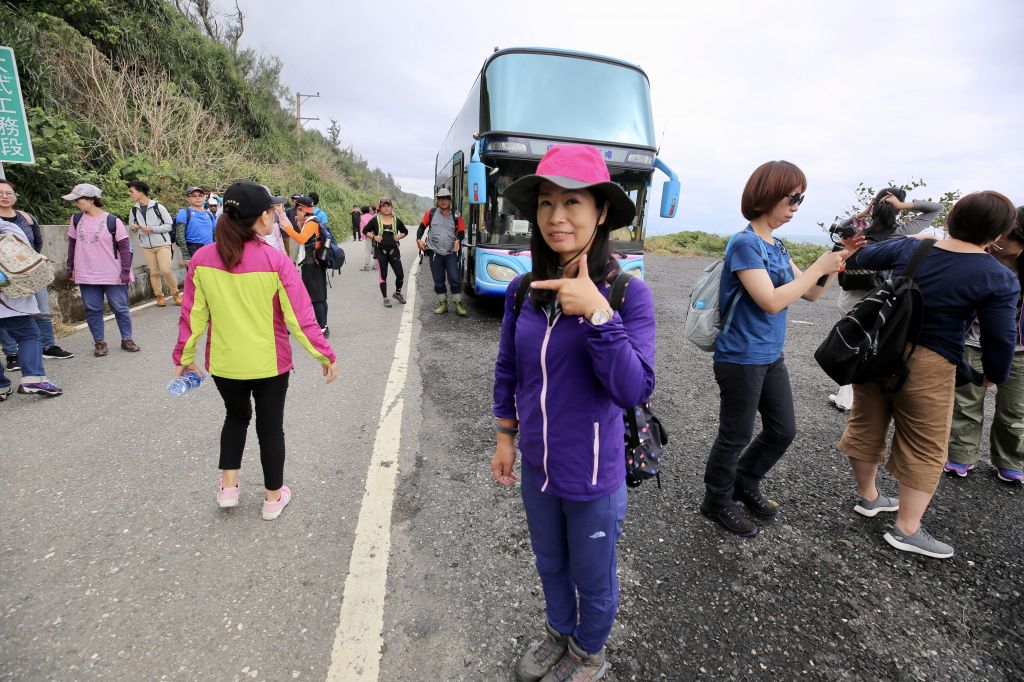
(849, 91)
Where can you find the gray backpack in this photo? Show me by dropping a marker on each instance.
(703, 320)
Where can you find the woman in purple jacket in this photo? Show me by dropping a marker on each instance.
(567, 366)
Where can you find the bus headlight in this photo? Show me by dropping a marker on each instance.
(510, 147)
(501, 273)
(636, 157)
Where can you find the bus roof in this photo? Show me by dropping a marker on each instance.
(562, 53)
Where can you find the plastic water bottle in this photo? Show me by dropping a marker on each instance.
(699, 305)
(188, 381)
(3, 280)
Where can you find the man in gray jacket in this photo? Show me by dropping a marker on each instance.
(440, 236)
(152, 223)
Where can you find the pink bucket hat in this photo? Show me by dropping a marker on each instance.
(573, 166)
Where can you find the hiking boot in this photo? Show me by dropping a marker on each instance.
(56, 353)
(1010, 475)
(756, 502)
(271, 510)
(177, 297)
(130, 346)
(387, 302)
(12, 363)
(578, 666)
(732, 518)
(398, 297)
(955, 469)
(100, 349)
(227, 497)
(882, 503)
(160, 300)
(6, 392)
(542, 655)
(918, 543)
(46, 389)
(442, 306)
(460, 310)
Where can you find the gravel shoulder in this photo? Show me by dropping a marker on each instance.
(817, 594)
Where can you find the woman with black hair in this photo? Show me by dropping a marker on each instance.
(252, 296)
(885, 211)
(568, 364)
(1006, 438)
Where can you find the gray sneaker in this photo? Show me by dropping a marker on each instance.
(387, 302)
(918, 543)
(578, 666)
(881, 504)
(542, 655)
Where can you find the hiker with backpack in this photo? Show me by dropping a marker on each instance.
(951, 280)
(368, 214)
(440, 236)
(885, 222)
(569, 362)
(1006, 437)
(357, 236)
(385, 231)
(152, 223)
(19, 311)
(33, 233)
(100, 263)
(250, 293)
(759, 281)
(310, 238)
(194, 226)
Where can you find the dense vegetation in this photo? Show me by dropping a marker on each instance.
(124, 89)
(704, 244)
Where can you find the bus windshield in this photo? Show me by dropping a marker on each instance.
(504, 224)
(568, 97)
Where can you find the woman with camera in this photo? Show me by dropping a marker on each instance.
(885, 210)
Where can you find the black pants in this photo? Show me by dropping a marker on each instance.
(269, 394)
(394, 258)
(745, 391)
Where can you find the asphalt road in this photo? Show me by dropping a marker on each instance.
(117, 564)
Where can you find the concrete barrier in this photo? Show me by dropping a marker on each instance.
(65, 299)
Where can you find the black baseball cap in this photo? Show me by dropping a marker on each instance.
(301, 200)
(247, 199)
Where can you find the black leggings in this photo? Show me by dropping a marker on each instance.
(394, 257)
(269, 394)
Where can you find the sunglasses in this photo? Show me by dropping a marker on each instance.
(796, 198)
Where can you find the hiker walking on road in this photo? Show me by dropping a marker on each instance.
(386, 230)
(33, 233)
(884, 211)
(957, 279)
(1006, 438)
(250, 293)
(440, 236)
(193, 225)
(152, 223)
(367, 215)
(314, 274)
(100, 263)
(357, 236)
(759, 283)
(568, 364)
(18, 322)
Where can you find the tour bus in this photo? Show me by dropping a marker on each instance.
(524, 101)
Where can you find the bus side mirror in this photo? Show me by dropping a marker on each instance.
(670, 199)
(477, 187)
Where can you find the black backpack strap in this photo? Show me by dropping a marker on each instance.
(617, 294)
(112, 229)
(75, 219)
(522, 290)
(915, 261)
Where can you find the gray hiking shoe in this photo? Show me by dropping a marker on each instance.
(881, 504)
(918, 543)
(387, 302)
(578, 666)
(542, 655)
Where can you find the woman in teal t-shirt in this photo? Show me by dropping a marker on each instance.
(759, 282)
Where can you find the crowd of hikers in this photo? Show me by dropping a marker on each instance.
(577, 348)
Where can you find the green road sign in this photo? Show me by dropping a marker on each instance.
(15, 144)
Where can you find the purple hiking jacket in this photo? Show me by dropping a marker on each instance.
(568, 383)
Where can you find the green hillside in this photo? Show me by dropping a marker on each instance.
(132, 89)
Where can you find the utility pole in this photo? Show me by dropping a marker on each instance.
(299, 120)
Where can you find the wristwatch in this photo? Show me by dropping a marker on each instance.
(599, 317)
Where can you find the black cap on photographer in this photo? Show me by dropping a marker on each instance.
(246, 200)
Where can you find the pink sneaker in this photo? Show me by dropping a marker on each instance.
(227, 497)
(271, 510)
